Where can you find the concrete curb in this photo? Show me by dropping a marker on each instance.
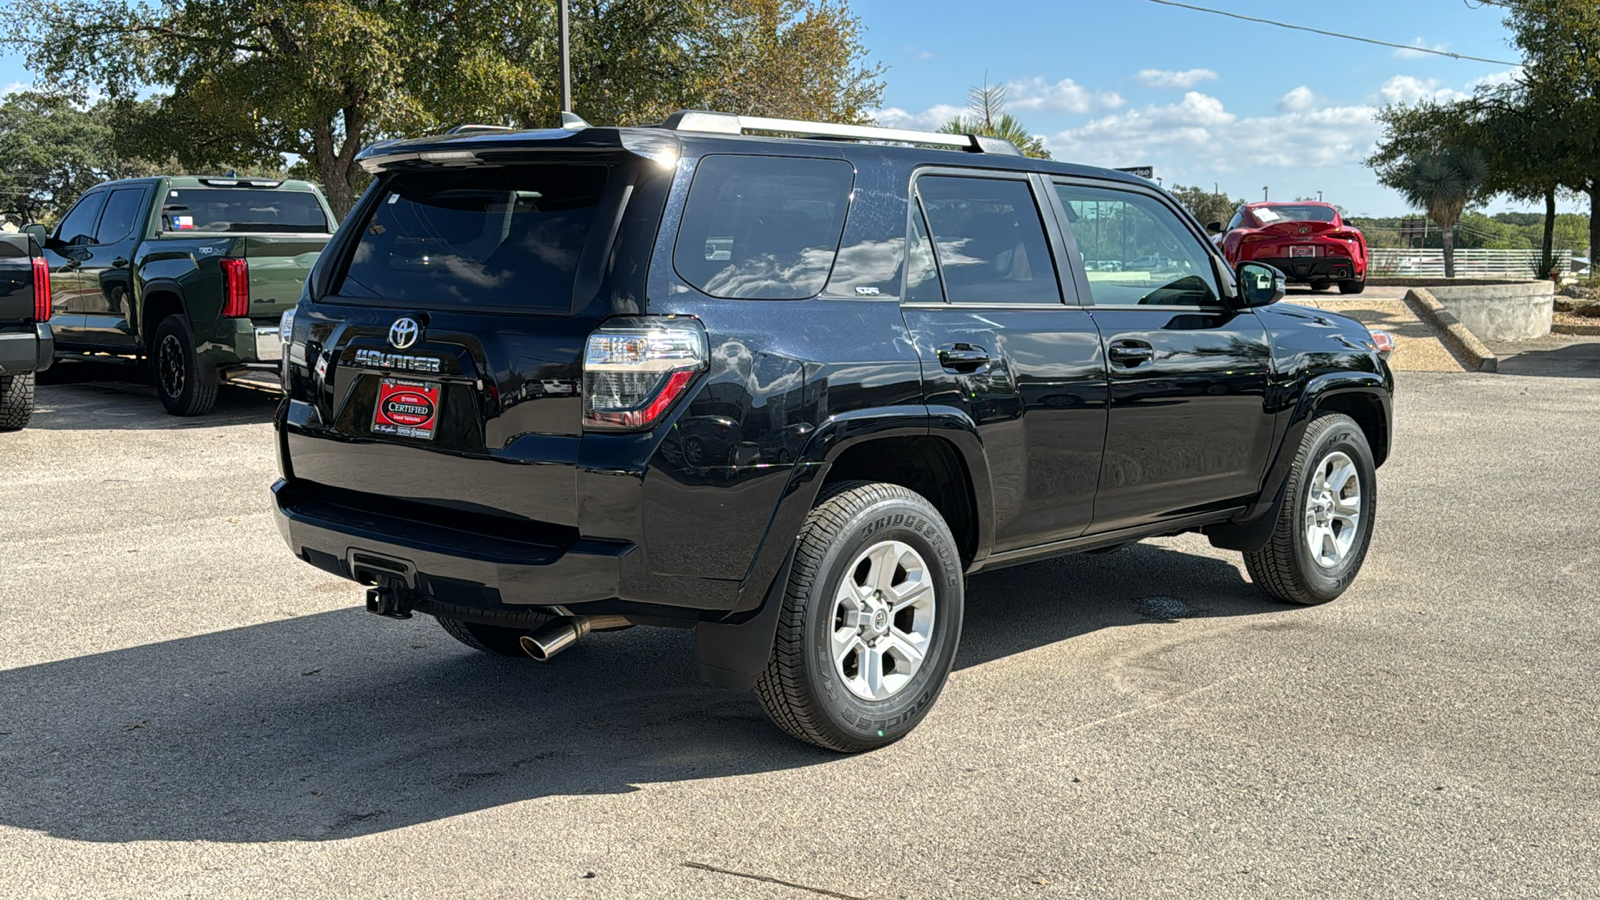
(1564, 328)
(1452, 331)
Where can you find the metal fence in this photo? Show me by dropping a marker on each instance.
(1469, 263)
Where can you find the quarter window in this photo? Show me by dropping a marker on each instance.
(121, 212)
(989, 240)
(1136, 252)
(763, 227)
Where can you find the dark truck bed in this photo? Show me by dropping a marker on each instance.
(26, 343)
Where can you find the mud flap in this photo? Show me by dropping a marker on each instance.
(734, 655)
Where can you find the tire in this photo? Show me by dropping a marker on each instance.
(16, 401)
(496, 639)
(1294, 566)
(824, 697)
(1352, 287)
(184, 386)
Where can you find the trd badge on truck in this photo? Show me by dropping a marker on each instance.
(406, 408)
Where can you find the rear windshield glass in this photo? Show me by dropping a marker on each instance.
(510, 236)
(762, 227)
(243, 209)
(1269, 215)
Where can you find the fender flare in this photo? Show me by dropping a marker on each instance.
(733, 652)
(157, 286)
(1251, 529)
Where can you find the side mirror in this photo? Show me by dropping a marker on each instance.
(1259, 285)
(1214, 228)
(39, 232)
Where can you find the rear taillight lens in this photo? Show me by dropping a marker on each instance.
(236, 288)
(41, 291)
(290, 356)
(633, 370)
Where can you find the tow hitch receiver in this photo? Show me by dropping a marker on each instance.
(387, 600)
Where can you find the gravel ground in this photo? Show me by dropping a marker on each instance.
(187, 711)
(1417, 347)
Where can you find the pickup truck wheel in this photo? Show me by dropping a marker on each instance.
(1352, 287)
(184, 386)
(16, 401)
(1325, 523)
(870, 621)
(496, 639)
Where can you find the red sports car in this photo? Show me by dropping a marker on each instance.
(1307, 240)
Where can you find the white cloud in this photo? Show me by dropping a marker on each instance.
(1298, 100)
(1201, 136)
(1420, 51)
(1410, 89)
(15, 87)
(929, 119)
(1498, 79)
(1161, 78)
(1065, 95)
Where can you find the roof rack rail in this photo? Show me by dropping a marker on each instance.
(478, 129)
(729, 123)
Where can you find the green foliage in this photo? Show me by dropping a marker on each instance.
(1204, 205)
(1502, 231)
(254, 81)
(986, 106)
(52, 150)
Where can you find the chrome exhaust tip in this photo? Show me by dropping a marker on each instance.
(557, 636)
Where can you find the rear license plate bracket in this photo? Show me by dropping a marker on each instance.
(1305, 250)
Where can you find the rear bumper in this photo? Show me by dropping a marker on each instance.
(27, 351)
(1317, 268)
(453, 567)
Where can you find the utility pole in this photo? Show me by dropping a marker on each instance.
(566, 61)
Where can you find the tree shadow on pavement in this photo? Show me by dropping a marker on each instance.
(342, 724)
(74, 395)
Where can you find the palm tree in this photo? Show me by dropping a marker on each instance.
(988, 117)
(1443, 182)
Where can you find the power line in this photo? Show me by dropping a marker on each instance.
(1334, 34)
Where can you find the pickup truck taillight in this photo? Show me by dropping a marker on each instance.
(236, 287)
(633, 370)
(41, 291)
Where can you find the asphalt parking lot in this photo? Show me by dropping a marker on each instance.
(185, 710)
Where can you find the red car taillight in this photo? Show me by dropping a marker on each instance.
(236, 288)
(634, 369)
(41, 291)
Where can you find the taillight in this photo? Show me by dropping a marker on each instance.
(41, 291)
(236, 288)
(633, 370)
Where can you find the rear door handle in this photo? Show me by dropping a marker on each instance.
(963, 357)
(1131, 354)
(119, 263)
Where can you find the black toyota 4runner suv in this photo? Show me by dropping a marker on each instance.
(789, 391)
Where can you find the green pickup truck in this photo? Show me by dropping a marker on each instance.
(189, 273)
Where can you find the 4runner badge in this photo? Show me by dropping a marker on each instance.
(404, 332)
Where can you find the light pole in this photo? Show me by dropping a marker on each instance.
(1319, 196)
(566, 61)
(1264, 195)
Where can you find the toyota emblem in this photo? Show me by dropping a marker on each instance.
(404, 332)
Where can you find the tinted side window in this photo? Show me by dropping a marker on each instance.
(1136, 251)
(989, 240)
(122, 211)
(1237, 220)
(762, 227)
(80, 222)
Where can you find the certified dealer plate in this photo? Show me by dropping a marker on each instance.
(407, 408)
(1307, 250)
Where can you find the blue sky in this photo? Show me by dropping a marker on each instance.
(1204, 99)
